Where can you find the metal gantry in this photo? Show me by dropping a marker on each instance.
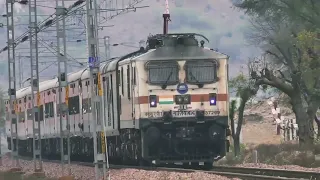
(96, 91)
(34, 78)
(63, 84)
(12, 81)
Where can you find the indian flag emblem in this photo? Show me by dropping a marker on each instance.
(166, 99)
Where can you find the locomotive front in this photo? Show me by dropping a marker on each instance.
(183, 100)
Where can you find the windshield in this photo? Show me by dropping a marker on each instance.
(201, 71)
(161, 73)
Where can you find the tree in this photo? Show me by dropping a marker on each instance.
(244, 89)
(288, 32)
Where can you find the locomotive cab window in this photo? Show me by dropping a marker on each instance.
(201, 72)
(163, 72)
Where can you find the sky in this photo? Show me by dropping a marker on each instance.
(223, 25)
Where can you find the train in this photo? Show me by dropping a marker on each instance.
(165, 103)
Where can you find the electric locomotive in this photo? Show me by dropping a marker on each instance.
(181, 96)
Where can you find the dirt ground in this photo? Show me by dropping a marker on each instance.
(260, 133)
(259, 127)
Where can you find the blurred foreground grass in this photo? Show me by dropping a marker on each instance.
(16, 176)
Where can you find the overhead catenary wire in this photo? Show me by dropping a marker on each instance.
(47, 23)
(73, 9)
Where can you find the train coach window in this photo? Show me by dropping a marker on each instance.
(163, 72)
(21, 116)
(7, 117)
(29, 114)
(58, 109)
(36, 114)
(41, 113)
(49, 110)
(128, 82)
(74, 105)
(134, 75)
(86, 105)
(201, 71)
(122, 85)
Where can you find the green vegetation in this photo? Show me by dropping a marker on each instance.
(288, 32)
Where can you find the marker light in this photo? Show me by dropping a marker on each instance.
(182, 99)
(213, 99)
(153, 100)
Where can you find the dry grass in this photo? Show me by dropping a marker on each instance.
(17, 176)
(277, 154)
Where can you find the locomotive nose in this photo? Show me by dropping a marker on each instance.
(152, 135)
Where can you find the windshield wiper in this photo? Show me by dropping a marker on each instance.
(164, 86)
(200, 85)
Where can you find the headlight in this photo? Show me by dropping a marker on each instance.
(153, 100)
(213, 99)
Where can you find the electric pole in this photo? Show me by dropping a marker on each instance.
(35, 85)
(12, 81)
(63, 83)
(96, 91)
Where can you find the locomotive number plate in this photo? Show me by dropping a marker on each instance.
(211, 113)
(181, 114)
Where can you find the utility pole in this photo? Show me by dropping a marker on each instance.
(35, 85)
(12, 81)
(96, 93)
(63, 83)
(20, 71)
(107, 47)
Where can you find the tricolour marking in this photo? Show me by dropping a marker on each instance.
(194, 98)
(166, 99)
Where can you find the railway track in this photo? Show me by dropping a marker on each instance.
(234, 172)
(227, 171)
(268, 172)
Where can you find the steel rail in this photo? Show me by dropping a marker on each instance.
(246, 173)
(270, 172)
